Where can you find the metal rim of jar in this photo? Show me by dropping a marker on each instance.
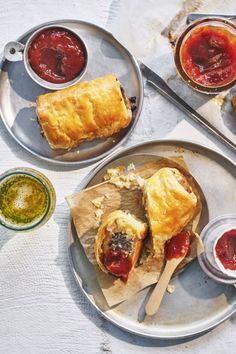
(45, 182)
(194, 85)
(47, 84)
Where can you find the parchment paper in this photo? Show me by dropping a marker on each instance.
(108, 197)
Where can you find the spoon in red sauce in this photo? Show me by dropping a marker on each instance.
(175, 250)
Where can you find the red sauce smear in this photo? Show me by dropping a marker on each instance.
(226, 249)
(177, 246)
(208, 56)
(117, 263)
(57, 55)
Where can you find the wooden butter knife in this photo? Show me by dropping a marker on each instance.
(175, 250)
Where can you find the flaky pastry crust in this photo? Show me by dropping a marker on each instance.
(85, 111)
(170, 204)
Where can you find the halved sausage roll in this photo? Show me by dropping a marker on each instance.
(118, 243)
(170, 204)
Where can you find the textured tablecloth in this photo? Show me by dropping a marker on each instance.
(42, 309)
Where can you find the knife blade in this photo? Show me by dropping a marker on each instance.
(161, 86)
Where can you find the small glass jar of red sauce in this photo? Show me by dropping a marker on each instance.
(205, 55)
(219, 259)
(55, 57)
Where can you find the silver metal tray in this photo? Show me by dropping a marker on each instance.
(198, 303)
(18, 93)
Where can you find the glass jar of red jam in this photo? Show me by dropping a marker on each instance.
(55, 57)
(205, 55)
(218, 260)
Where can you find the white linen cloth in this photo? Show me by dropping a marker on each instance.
(42, 309)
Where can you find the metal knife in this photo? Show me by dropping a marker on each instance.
(161, 86)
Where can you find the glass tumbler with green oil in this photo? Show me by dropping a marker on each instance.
(27, 199)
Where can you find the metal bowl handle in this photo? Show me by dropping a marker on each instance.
(13, 51)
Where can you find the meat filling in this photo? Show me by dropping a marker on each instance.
(129, 102)
(120, 240)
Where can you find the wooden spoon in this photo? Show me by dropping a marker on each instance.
(176, 249)
(156, 297)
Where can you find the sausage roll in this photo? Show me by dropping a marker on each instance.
(118, 243)
(170, 204)
(85, 111)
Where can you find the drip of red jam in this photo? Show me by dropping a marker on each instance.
(117, 263)
(226, 249)
(177, 246)
(57, 55)
(208, 56)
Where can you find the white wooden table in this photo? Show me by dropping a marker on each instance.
(42, 310)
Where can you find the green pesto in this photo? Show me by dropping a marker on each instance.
(22, 199)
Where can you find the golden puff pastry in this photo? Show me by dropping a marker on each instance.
(118, 243)
(170, 204)
(85, 111)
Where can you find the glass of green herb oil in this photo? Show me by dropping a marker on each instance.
(27, 199)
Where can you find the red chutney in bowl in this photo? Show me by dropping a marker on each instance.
(208, 55)
(57, 55)
(225, 249)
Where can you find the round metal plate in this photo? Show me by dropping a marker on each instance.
(198, 303)
(18, 93)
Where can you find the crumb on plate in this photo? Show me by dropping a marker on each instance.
(170, 288)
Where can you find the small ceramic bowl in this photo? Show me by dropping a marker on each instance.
(16, 51)
(208, 259)
(217, 22)
(11, 179)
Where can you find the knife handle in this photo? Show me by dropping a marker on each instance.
(168, 93)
